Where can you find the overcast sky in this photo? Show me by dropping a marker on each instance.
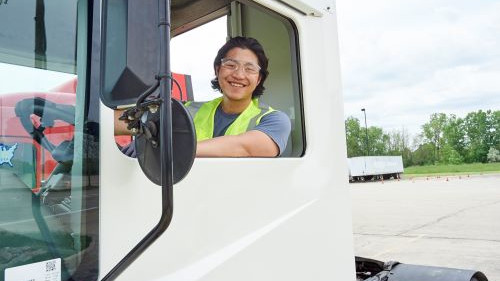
(404, 60)
(401, 60)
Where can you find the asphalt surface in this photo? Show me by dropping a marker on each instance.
(446, 221)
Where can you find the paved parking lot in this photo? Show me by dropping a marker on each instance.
(447, 221)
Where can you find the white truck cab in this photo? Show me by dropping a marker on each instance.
(74, 207)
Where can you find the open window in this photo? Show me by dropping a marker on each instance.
(194, 50)
(196, 40)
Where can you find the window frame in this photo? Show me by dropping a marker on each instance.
(294, 44)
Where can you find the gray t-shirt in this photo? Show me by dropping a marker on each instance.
(276, 125)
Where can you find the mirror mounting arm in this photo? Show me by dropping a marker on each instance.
(165, 145)
(133, 117)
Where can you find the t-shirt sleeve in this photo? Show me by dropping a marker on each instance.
(129, 150)
(277, 126)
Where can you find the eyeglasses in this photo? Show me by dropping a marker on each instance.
(234, 65)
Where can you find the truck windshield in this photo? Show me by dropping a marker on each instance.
(48, 146)
(39, 33)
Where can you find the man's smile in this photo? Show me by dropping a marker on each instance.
(236, 84)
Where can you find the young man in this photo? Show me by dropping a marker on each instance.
(238, 124)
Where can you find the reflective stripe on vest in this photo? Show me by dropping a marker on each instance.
(204, 114)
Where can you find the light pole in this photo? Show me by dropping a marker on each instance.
(366, 131)
(40, 36)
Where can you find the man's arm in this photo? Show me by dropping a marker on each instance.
(120, 126)
(254, 143)
(250, 144)
(268, 139)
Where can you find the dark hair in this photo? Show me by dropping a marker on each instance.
(249, 44)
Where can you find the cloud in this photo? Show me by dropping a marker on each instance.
(405, 60)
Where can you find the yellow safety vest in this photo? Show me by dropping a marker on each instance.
(203, 114)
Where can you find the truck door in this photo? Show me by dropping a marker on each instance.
(235, 218)
(284, 218)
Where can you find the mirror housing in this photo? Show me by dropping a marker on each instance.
(130, 50)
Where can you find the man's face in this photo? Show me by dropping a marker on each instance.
(239, 74)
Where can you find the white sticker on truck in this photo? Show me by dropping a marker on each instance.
(49, 270)
(7, 153)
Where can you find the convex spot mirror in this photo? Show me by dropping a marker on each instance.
(183, 145)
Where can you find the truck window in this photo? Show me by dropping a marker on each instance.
(195, 45)
(194, 50)
(48, 146)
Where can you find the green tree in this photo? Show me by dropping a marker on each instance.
(399, 145)
(424, 154)
(433, 132)
(493, 124)
(378, 141)
(450, 156)
(493, 155)
(444, 139)
(454, 136)
(354, 137)
(478, 129)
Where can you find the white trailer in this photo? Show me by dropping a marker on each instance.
(375, 167)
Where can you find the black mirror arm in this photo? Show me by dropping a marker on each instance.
(133, 116)
(165, 144)
(149, 91)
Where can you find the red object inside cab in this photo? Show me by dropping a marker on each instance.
(32, 162)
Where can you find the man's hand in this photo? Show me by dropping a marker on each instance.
(250, 144)
(120, 126)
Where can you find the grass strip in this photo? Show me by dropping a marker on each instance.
(462, 169)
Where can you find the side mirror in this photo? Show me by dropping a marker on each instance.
(130, 50)
(134, 63)
(131, 55)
